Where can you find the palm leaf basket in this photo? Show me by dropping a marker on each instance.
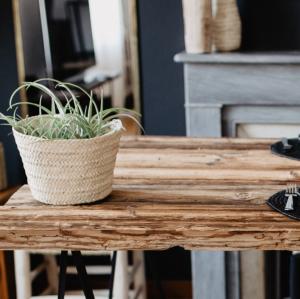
(68, 154)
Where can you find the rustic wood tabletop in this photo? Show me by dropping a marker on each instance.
(168, 191)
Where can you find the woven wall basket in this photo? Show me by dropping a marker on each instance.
(68, 172)
(226, 25)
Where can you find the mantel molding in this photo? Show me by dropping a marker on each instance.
(240, 58)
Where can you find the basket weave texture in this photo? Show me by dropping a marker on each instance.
(68, 172)
(226, 26)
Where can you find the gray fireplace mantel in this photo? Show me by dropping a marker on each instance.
(214, 82)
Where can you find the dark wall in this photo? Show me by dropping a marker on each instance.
(8, 82)
(270, 24)
(160, 38)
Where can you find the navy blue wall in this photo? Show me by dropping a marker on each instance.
(8, 82)
(162, 92)
(270, 24)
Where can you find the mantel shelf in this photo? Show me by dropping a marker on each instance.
(240, 58)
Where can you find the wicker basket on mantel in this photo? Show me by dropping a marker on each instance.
(226, 25)
(68, 172)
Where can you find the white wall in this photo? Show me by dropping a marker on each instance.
(108, 38)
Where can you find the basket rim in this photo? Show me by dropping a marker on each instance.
(112, 132)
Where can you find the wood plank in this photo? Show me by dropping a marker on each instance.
(197, 194)
(144, 225)
(163, 142)
(225, 176)
(203, 158)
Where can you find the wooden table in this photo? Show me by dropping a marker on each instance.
(188, 192)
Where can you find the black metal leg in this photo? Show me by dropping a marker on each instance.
(152, 264)
(81, 270)
(62, 274)
(112, 275)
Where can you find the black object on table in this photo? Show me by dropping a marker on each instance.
(278, 203)
(287, 148)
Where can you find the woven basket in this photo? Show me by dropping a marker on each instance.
(226, 25)
(68, 172)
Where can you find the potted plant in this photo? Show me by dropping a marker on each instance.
(68, 152)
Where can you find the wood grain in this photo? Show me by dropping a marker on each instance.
(168, 191)
(7, 193)
(4, 293)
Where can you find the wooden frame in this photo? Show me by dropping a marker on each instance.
(19, 53)
(3, 277)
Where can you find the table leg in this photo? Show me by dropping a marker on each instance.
(112, 275)
(81, 270)
(62, 274)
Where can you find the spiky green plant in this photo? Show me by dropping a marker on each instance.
(68, 121)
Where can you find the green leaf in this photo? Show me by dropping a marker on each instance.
(72, 121)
